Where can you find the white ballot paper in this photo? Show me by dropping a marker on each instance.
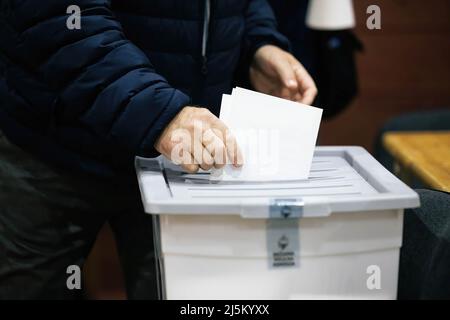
(277, 136)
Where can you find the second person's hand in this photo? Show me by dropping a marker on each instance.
(278, 73)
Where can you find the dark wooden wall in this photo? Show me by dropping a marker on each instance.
(405, 67)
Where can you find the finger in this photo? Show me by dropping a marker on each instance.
(266, 85)
(208, 160)
(179, 148)
(201, 155)
(192, 155)
(239, 157)
(216, 148)
(287, 75)
(259, 81)
(190, 166)
(298, 97)
(309, 95)
(196, 149)
(307, 87)
(232, 148)
(285, 94)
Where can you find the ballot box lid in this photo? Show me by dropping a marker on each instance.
(342, 179)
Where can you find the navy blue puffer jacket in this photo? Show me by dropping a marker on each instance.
(94, 98)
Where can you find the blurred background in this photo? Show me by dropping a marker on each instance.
(404, 67)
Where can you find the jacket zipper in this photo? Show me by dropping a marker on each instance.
(206, 20)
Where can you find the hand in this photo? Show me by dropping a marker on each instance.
(196, 138)
(277, 72)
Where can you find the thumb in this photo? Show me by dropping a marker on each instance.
(286, 74)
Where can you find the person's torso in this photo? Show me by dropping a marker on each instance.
(197, 60)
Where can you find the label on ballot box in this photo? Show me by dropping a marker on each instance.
(283, 234)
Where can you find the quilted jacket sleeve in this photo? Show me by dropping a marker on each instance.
(103, 82)
(261, 29)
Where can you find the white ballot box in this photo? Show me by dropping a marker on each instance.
(336, 235)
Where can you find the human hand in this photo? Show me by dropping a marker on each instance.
(278, 73)
(196, 138)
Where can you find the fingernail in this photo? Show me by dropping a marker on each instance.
(291, 83)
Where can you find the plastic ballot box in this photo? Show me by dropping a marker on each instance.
(336, 235)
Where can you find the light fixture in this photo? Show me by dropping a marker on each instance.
(330, 15)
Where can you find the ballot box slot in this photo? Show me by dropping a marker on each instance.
(202, 181)
(264, 188)
(303, 188)
(325, 178)
(279, 195)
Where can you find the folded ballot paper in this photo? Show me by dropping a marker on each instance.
(277, 137)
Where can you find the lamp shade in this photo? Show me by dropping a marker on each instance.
(330, 15)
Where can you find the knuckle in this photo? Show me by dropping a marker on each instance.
(188, 109)
(191, 168)
(203, 112)
(206, 166)
(220, 148)
(191, 126)
(219, 165)
(196, 124)
(165, 147)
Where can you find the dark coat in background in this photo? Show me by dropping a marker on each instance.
(94, 98)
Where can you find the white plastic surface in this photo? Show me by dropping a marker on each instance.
(225, 257)
(342, 179)
(212, 238)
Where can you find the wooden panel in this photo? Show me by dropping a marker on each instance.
(405, 67)
(406, 16)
